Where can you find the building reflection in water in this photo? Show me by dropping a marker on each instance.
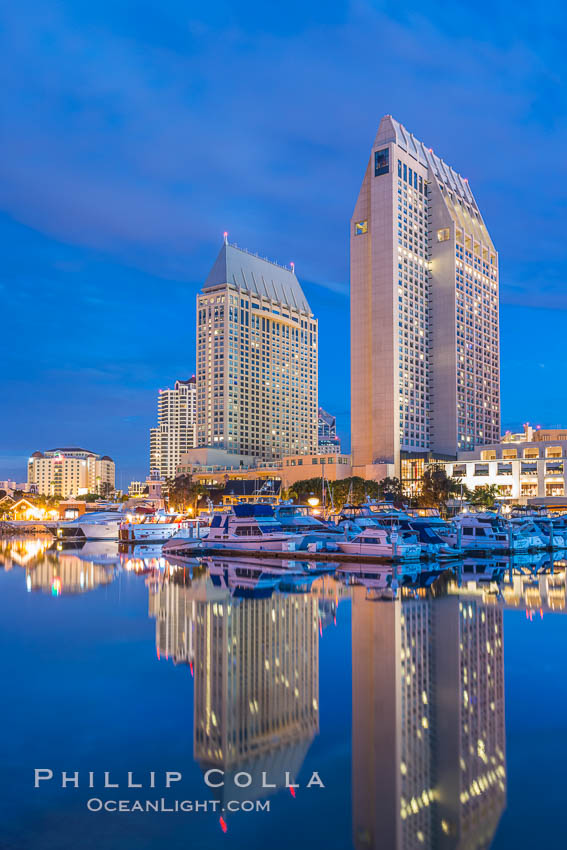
(428, 739)
(55, 570)
(23, 552)
(68, 573)
(256, 669)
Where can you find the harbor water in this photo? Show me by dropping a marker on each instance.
(152, 703)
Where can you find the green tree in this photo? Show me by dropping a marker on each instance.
(437, 487)
(183, 492)
(391, 489)
(354, 490)
(484, 496)
(106, 489)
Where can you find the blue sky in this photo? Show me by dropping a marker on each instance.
(134, 134)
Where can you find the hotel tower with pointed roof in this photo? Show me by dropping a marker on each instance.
(425, 368)
(257, 342)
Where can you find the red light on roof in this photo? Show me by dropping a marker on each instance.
(223, 825)
(292, 792)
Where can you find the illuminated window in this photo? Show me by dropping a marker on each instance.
(553, 451)
(381, 162)
(361, 227)
(443, 234)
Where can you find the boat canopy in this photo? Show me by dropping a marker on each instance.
(244, 510)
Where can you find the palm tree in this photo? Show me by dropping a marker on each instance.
(485, 496)
(437, 488)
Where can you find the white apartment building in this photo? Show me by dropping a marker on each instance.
(257, 345)
(176, 430)
(522, 470)
(68, 472)
(424, 310)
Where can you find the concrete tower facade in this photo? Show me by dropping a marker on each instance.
(425, 369)
(175, 434)
(256, 359)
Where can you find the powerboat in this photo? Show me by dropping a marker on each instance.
(537, 538)
(251, 527)
(297, 519)
(151, 528)
(357, 518)
(483, 533)
(96, 525)
(382, 542)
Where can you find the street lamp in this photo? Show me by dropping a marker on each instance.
(313, 500)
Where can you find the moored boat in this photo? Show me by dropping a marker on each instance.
(251, 527)
(382, 542)
(97, 525)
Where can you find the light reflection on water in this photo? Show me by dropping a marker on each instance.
(427, 699)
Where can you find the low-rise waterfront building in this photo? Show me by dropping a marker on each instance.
(522, 470)
(10, 486)
(535, 435)
(71, 472)
(137, 489)
(214, 467)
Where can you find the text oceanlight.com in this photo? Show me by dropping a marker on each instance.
(215, 778)
(95, 804)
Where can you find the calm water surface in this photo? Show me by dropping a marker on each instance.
(434, 720)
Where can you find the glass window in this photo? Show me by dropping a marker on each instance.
(443, 234)
(382, 162)
(361, 227)
(553, 451)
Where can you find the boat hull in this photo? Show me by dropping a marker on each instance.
(399, 552)
(152, 532)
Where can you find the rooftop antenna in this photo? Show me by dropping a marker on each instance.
(225, 236)
(292, 267)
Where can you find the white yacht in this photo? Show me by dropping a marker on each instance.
(384, 543)
(298, 519)
(252, 527)
(537, 537)
(483, 533)
(97, 525)
(152, 528)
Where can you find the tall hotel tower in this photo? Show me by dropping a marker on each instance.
(424, 311)
(256, 359)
